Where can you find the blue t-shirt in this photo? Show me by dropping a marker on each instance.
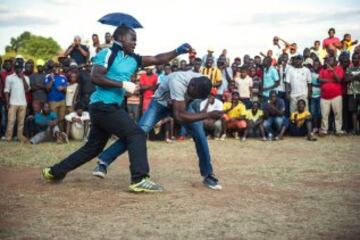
(123, 67)
(42, 120)
(279, 105)
(269, 79)
(60, 81)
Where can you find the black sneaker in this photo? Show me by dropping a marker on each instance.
(100, 171)
(212, 182)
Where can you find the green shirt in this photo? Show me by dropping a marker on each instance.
(354, 86)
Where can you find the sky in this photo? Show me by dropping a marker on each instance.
(242, 27)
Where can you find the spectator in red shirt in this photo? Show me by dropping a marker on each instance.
(331, 77)
(332, 41)
(148, 82)
(7, 69)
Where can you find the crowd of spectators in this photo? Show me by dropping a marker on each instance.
(267, 96)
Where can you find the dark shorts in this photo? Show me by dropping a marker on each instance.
(298, 131)
(354, 102)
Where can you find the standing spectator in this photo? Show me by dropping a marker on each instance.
(271, 79)
(331, 42)
(254, 122)
(226, 77)
(197, 65)
(275, 122)
(16, 87)
(347, 43)
(95, 46)
(47, 126)
(298, 83)
(7, 69)
(72, 91)
(234, 118)
(56, 84)
(210, 54)
(224, 54)
(183, 66)
(213, 73)
(256, 85)
(244, 85)
(330, 78)
(77, 123)
(353, 90)
(283, 68)
(86, 87)
(38, 87)
(78, 51)
(133, 102)
(29, 71)
(108, 41)
(276, 48)
(300, 122)
(148, 82)
(208, 105)
(315, 96)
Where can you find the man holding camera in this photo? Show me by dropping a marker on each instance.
(78, 51)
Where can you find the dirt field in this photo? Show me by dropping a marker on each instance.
(292, 189)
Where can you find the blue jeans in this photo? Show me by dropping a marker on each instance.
(315, 107)
(155, 113)
(277, 122)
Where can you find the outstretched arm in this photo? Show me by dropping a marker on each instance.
(165, 57)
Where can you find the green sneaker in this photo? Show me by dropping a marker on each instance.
(46, 172)
(145, 185)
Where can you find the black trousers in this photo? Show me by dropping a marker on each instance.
(107, 120)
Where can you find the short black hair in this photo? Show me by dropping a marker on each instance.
(272, 92)
(235, 93)
(94, 34)
(301, 100)
(331, 29)
(202, 86)
(198, 59)
(79, 105)
(121, 31)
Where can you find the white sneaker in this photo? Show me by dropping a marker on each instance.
(223, 137)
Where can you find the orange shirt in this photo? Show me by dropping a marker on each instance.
(146, 80)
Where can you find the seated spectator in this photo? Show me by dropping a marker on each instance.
(234, 121)
(244, 86)
(300, 122)
(47, 127)
(275, 123)
(168, 122)
(77, 123)
(254, 122)
(71, 93)
(78, 51)
(56, 84)
(208, 105)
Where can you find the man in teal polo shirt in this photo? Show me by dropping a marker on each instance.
(111, 73)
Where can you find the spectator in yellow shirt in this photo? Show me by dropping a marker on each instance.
(234, 118)
(213, 73)
(300, 122)
(254, 122)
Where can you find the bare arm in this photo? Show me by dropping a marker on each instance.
(183, 116)
(98, 78)
(159, 59)
(83, 52)
(69, 50)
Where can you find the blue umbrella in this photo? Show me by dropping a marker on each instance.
(118, 19)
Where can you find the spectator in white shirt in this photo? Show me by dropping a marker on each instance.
(16, 86)
(298, 83)
(77, 123)
(244, 86)
(212, 126)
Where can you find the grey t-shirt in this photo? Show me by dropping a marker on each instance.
(38, 80)
(174, 87)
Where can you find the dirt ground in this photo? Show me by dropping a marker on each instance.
(291, 189)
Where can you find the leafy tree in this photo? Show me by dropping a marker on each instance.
(32, 46)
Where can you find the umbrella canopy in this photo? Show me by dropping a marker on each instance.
(118, 19)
